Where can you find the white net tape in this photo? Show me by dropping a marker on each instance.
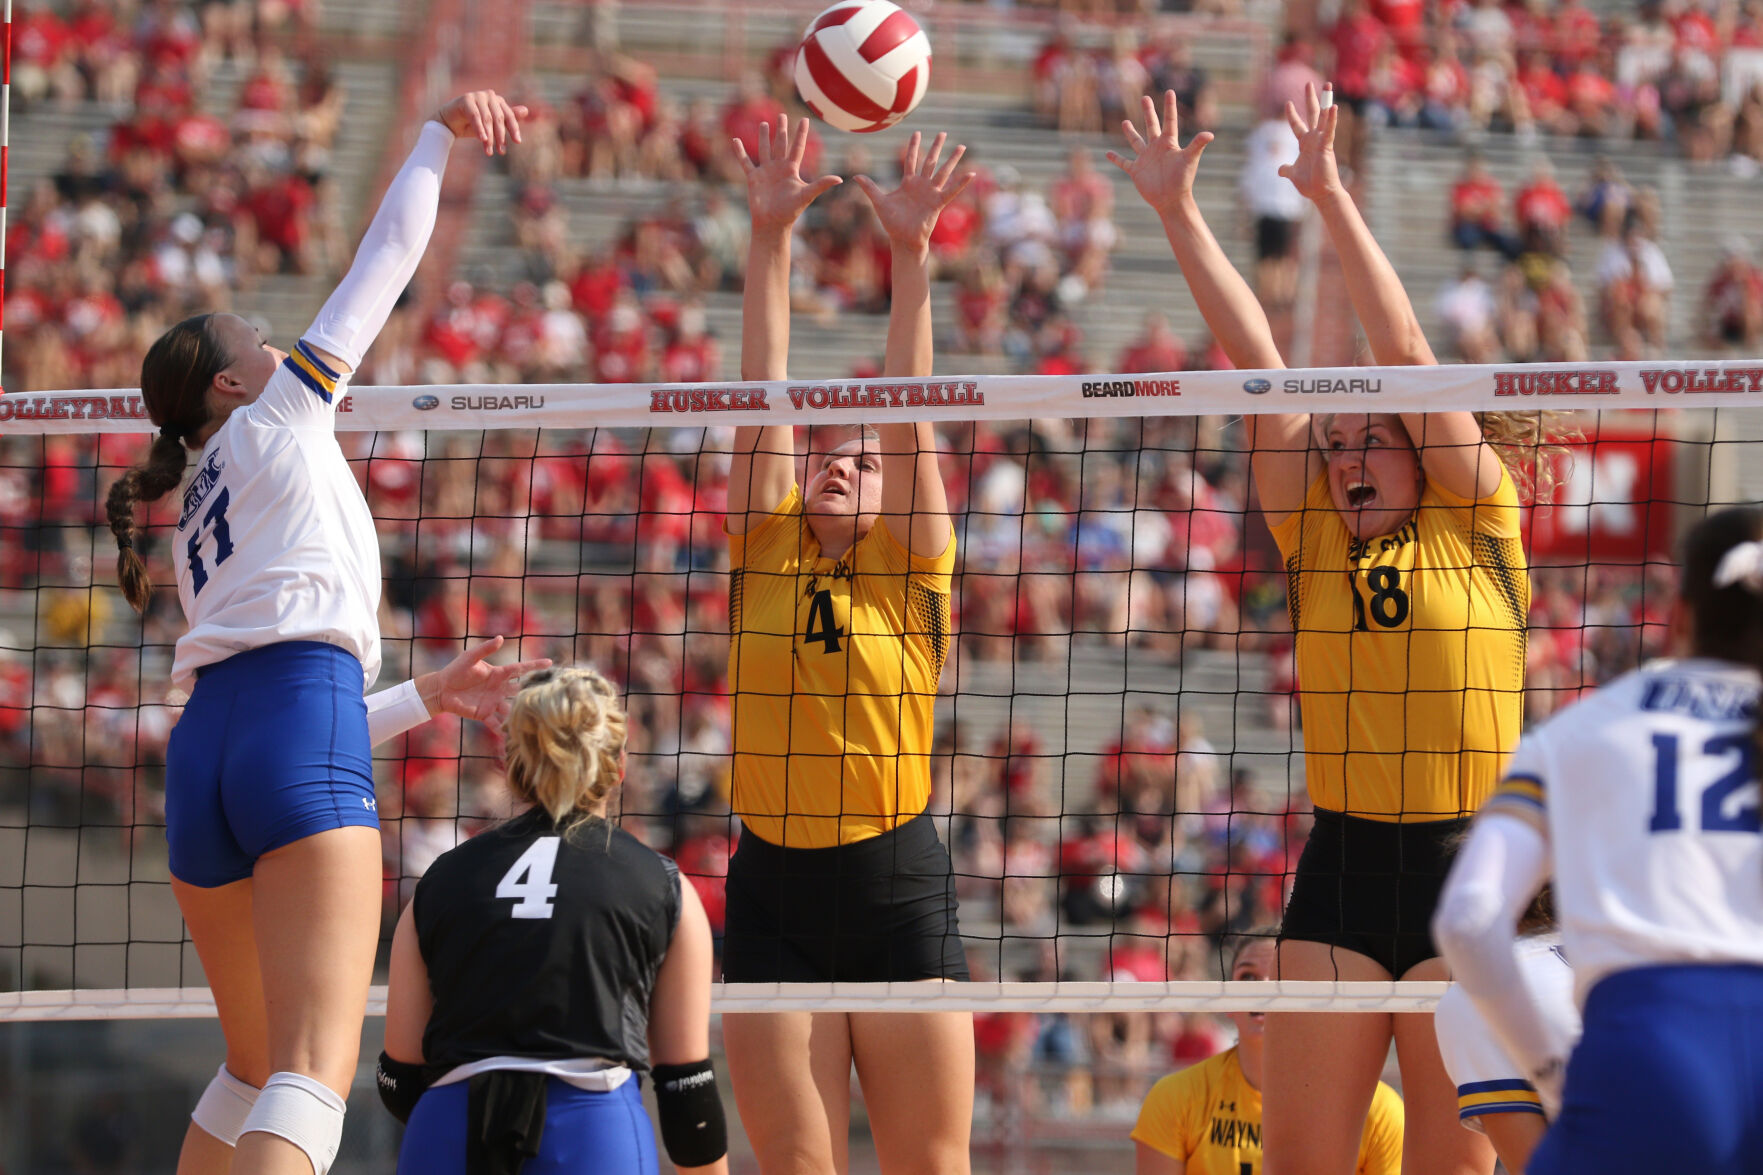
(1288, 995)
(1462, 387)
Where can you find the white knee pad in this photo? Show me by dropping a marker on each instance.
(302, 1110)
(223, 1107)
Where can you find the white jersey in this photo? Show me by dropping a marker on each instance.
(1647, 794)
(1488, 1081)
(274, 541)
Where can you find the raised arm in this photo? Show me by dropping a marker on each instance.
(1450, 443)
(764, 464)
(393, 245)
(914, 504)
(1163, 173)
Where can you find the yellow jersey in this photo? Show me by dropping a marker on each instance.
(1410, 652)
(833, 666)
(1208, 1116)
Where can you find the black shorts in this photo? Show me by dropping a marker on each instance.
(1273, 237)
(1371, 886)
(878, 909)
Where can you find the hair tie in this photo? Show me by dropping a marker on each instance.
(168, 433)
(125, 543)
(1741, 564)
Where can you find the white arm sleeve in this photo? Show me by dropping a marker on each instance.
(1497, 872)
(391, 712)
(389, 253)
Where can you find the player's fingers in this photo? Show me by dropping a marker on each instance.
(1298, 125)
(1133, 139)
(1330, 117)
(936, 154)
(519, 112)
(522, 668)
(948, 169)
(480, 125)
(799, 142)
(909, 159)
(1199, 144)
(1171, 123)
(1116, 159)
(961, 185)
(1312, 104)
(868, 187)
(1153, 126)
(746, 161)
(823, 185)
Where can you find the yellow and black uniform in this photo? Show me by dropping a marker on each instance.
(1410, 664)
(833, 666)
(1208, 1117)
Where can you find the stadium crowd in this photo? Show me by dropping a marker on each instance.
(606, 547)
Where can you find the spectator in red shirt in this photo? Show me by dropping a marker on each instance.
(1578, 34)
(690, 354)
(1157, 349)
(1356, 36)
(1545, 94)
(1475, 210)
(1732, 305)
(1542, 211)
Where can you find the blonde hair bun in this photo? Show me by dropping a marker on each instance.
(564, 741)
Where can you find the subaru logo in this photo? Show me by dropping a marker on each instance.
(425, 403)
(1257, 387)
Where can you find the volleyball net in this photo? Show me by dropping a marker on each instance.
(1118, 758)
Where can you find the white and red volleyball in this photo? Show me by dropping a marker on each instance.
(863, 65)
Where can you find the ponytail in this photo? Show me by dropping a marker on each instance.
(148, 482)
(175, 376)
(565, 739)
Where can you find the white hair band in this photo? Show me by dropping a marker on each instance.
(1741, 564)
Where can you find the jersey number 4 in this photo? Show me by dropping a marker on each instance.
(528, 881)
(1717, 816)
(223, 542)
(823, 626)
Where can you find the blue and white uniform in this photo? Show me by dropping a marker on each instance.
(278, 572)
(1488, 1080)
(1641, 802)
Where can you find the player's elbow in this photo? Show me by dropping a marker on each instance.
(1467, 927)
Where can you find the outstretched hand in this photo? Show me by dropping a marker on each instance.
(1314, 174)
(910, 211)
(472, 688)
(1161, 169)
(776, 191)
(486, 116)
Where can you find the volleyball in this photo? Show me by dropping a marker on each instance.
(863, 65)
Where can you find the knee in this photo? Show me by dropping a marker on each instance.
(303, 1111)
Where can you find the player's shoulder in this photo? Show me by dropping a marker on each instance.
(1600, 708)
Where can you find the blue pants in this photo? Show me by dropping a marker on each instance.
(1668, 1077)
(272, 748)
(586, 1133)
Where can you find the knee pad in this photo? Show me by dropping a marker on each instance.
(223, 1107)
(303, 1110)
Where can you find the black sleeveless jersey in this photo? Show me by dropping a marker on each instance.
(544, 946)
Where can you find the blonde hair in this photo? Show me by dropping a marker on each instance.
(565, 743)
(1521, 440)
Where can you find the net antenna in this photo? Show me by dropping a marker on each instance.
(5, 158)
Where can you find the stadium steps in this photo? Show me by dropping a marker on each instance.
(1409, 184)
(288, 302)
(1142, 277)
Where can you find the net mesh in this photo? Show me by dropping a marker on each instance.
(1117, 764)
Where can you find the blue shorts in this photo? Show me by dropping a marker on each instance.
(272, 748)
(585, 1131)
(1668, 1077)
